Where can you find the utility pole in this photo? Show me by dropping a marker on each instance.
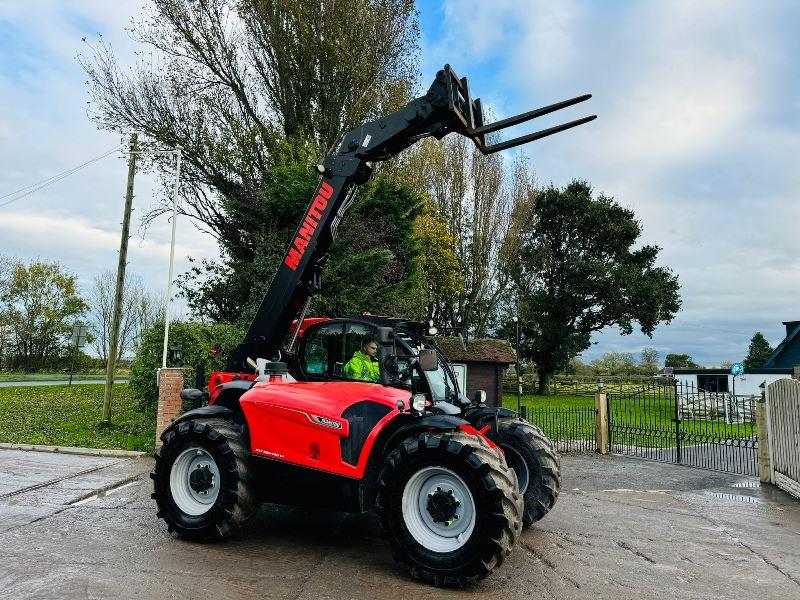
(123, 261)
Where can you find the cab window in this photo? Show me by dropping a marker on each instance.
(324, 351)
(341, 351)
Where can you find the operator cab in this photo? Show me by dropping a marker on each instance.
(334, 350)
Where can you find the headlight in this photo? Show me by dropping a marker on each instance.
(418, 402)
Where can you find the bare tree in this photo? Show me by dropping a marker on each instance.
(232, 80)
(140, 310)
(485, 204)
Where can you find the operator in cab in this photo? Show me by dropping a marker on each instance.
(364, 364)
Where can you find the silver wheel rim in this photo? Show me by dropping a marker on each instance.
(516, 462)
(187, 499)
(438, 536)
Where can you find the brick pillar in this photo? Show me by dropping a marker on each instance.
(170, 385)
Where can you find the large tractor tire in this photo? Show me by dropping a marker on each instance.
(450, 507)
(535, 461)
(202, 483)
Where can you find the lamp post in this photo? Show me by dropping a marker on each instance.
(176, 356)
(519, 375)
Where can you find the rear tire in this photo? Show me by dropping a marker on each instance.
(450, 507)
(202, 483)
(535, 460)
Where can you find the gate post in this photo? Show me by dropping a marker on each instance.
(601, 422)
(677, 419)
(764, 466)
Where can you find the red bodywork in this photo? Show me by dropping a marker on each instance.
(301, 422)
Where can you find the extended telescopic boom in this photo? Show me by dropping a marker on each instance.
(447, 107)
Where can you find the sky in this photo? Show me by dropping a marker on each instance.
(698, 131)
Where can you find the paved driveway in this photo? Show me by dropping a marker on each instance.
(623, 528)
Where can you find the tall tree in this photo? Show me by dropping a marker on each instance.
(437, 269)
(40, 303)
(649, 360)
(579, 272)
(758, 352)
(680, 361)
(485, 204)
(615, 363)
(231, 80)
(140, 310)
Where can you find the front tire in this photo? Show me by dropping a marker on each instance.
(534, 459)
(450, 507)
(202, 483)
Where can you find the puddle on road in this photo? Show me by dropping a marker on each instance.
(104, 493)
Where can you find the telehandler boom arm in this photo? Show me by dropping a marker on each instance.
(447, 107)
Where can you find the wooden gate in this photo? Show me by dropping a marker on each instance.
(783, 425)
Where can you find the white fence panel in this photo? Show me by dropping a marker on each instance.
(783, 423)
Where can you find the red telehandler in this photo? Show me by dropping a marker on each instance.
(452, 479)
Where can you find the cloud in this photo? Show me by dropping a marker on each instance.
(44, 130)
(698, 132)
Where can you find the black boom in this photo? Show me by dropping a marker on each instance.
(447, 107)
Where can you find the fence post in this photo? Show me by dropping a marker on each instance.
(677, 419)
(764, 466)
(601, 422)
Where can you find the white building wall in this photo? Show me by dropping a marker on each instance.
(745, 385)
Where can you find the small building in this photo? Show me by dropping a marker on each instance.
(721, 380)
(787, 354)
(480, 366)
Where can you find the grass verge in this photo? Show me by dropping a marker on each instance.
(63, 415)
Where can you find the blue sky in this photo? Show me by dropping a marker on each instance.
(698, 132)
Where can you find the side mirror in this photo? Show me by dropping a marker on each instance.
(480, 397)
(428, 360)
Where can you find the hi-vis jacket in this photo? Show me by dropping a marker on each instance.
(362, 367)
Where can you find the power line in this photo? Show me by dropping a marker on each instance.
(35, 187)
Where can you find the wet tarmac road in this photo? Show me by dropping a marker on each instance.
(623, 528)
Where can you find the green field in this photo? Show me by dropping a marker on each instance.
(61, 415)
(92, 376)
(634, 424)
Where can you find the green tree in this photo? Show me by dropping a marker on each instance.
(40, 301)
(649, 360)
(437, 268)
(485, 203)
(579, 272)
(680, 361)
(758, 352)
(232, 80)
(371, 265)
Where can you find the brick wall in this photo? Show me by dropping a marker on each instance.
(486, 377)
(170, 385)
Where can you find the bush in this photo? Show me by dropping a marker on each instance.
(195, 339)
